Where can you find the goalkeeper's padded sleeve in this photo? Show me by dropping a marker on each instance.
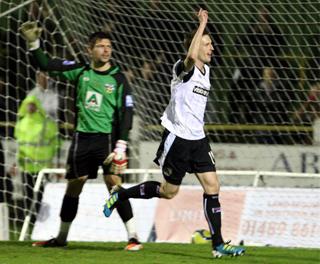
(125, 102)
(41, 58)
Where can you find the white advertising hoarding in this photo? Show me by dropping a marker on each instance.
(279, 216)
(258, 216)
(90, 223)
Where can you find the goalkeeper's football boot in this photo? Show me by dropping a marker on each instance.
(110, 204)
(225, 249)
(53, 242)
(133, 245)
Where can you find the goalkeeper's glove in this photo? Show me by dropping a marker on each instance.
(118, 159)
(31, 32)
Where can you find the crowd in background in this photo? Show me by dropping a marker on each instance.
(259, 86)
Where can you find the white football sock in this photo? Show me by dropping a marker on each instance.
(131, 228)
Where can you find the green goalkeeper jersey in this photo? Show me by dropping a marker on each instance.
(103, 100)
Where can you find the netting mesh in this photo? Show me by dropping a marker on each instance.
(265, 71)
(266, 57)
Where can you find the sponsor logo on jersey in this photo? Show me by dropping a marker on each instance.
(129, 101)
(67, 62)
(86, 79)
(109, 87)
(201, 91)
(93, 101)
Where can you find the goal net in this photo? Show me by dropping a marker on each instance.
(264, 77)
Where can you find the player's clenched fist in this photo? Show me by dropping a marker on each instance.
(118, 158)
(31, 32)
(203, 16)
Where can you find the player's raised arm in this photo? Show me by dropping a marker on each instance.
(31, 33)
(193, 50)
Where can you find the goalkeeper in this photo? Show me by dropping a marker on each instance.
(104, 111)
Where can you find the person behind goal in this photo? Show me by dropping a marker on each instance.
(104, 110)
(184, 146)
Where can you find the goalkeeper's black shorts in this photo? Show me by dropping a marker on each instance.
(176, 156)
(87, 152)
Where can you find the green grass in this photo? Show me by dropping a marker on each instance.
(153, 253)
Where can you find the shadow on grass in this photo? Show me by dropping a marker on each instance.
(297, 259)
(190, 255)
(95, 247)
(71, 246)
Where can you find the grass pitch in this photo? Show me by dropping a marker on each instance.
(153, 253)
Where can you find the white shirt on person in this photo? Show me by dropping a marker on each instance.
(184, 115)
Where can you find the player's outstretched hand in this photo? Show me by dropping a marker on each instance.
(30, 31)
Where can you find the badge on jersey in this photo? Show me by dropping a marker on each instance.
(93, 101)
(109, 88)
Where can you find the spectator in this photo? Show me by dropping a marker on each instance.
(270, 105)
(37, 139)
(310, 109)
(46, 94)
(260, 46)
(272, 94)
(149, 81)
